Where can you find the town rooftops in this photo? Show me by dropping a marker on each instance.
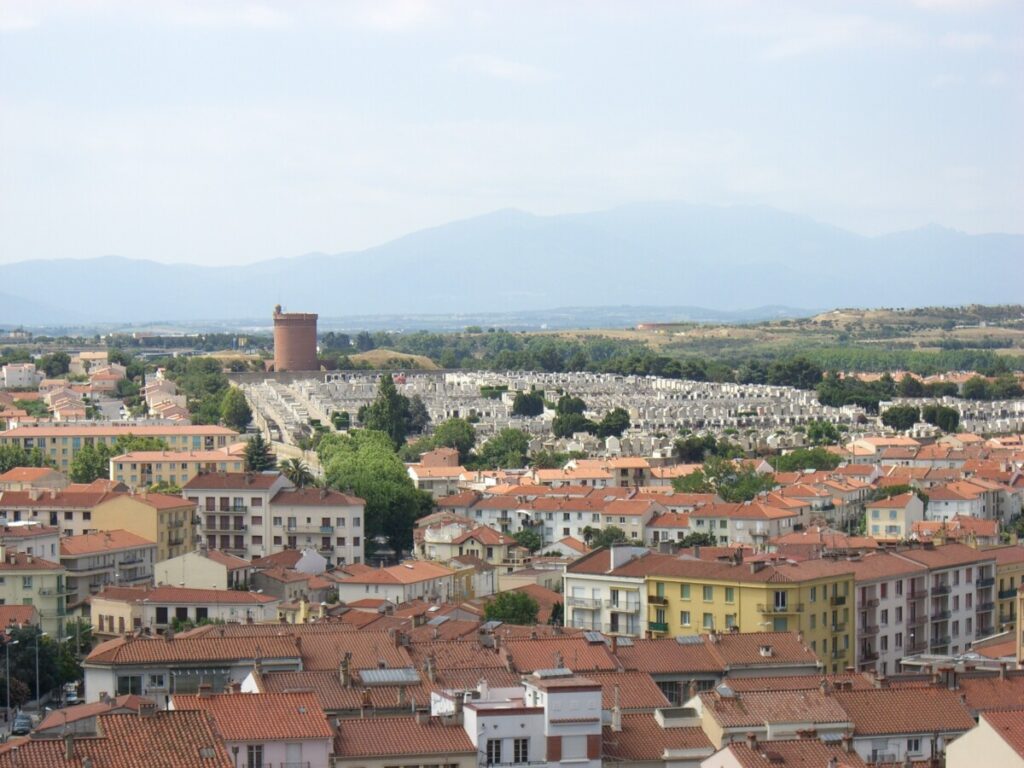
(905, 710)
(135, 430)
(103, 541)
(157, 501)
(899, 501)
(20, 561)
(194, 650)
(184, 596)
(232, 481)
(801, 753)
(1009, 724)
(946, 556)
(397, 736)
(409, 572)
(18, 616)
(262, 716)
(28, 474)
(753, 709)
(316, 497)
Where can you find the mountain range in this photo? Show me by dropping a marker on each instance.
(652, 255)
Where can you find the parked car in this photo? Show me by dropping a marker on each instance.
(22, 724)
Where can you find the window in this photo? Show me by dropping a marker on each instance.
(781, 600)
(708, 593)
(730, 620)
(277, 522)
(914, 745)
(723, 523)
(684, 591)
(156, 681)
(814, 594)
(254, 756)
(129, 684)
(26, 582)
(898, 640)
(708, 621)
(659, 588)
(730, 594)
(684, 618)
(521, 750)
(493, 751)
(814, 620)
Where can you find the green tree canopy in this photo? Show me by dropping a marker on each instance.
(389, 412)
(297, 471)
(529, 538)
(733, 483)
(507, 449)
(364, 462)
(258, 455)
(822, 433)
(234, 410)
(910, 386)
(805, 458)
(901, 417)
(603, 537)
(942, 416)
(512, 608)
(614, 423)
(528, 404)
(458, 434)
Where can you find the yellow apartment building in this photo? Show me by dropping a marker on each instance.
(30, 580)
(1009, 579)
(141, 469)
(684, 596)
(167, 520)
(60, 444)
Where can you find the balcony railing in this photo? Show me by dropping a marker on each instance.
(986, 607)
(657, 600)
(622, 607)
(1008, 594)
(871, 602)
(838, 653)
(988, 581)
(838, 600)
(941, 589)
(789, 608)
(869, 656)
(940, 640)
(983, 632)
(941, 615)
(917, 620)
(869, 630)
(657, 626)
(584, 602)
(51, 591)
(839, 627)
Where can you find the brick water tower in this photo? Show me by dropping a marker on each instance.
(295, 341)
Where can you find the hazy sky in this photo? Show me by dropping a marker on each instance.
(228, 132)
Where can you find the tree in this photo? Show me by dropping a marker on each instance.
(512, 608)
(258, 455)
(603, 537)
(418, 418)
(942, 416)
(234, 410)
(341, 420)
(614, 423)
(796, 372)
(297, 472)
(364, 463)
(568, 424)
(805, 458)
(732, 482)
(529, 539)
(12, 456)
(57, 364)
(977, 388)
(528, 404)
(458, 434)
(901, 417)
(822, 433)
(389, 412)
(557, 618)
(910, 386)
(568, 404)
(91, 462)
(546, 459)
(698, 540)
(506, 450)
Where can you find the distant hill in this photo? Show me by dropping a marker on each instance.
(656, 255)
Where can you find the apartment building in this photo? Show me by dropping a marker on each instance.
(19, 376)
(1009, 579)
(686, 596)
(399, 583)
(167, 520)
(751, 523)
(891, 620)
(69, 510)
(141, 469)
(234, 510)
(317, 518)
(95, 560)
(32, 538)
(959, 601)
(31, 580)
(27, 478)
(61, 442)
(893, 519)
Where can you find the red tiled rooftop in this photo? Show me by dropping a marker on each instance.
(262, 716)
(397, 736)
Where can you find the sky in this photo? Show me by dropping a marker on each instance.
(233, 132)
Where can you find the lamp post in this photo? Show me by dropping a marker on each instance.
(7, 676)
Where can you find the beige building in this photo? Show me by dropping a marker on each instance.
(997, 739)
(204, 569)
(30, 580)
(893, 519)
(140, 469)
(60, 443)
(95, 560)
(167, 520)
(25, 478)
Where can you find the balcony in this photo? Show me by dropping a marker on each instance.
(837, 600)
(984, 632)
(326, 529)
(838, 653)
(917, 647)
(941, 589)
(869, 656)
(871, 602)
(622, 607)
(939, 641)
(941, 615)
(238, 508)
(988, 581)
(916, 595)
(917, 620)
(839, 627)
(794, 608)
(54, 591)
(656, 600)
(586, 603)
(987, 607)
(1008, 594)
(657, 626)
(869, 630)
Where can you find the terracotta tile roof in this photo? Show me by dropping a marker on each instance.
(946, 555)
(546, 599)
(666, 656)
(186, 595)
(1007, 555)
(743, 649)
(858, 681)
(637, 690)
(262, 716)
(316, 497)
(26, 531)
(575, 544)
(905, 710)
(671, 520)
(19, 561)
(893, 502)
(369, 649)
(18, 615)
(804, 753)
(394, 736)
(71, 497)
(1009, 724)
(990, 692)
(286, 558)
(456, 655)
(160, 501)
(755, 708)
(409, 572)
(218, 481)
(165, 739)
(105, 541)
(230, 562)
(453, 629)
(144, 650)
(135, 430)
(58, 718)
(332, 696)
(643, 739)
(27, 474)
(576, 653)
(880, 565)
(486, 536)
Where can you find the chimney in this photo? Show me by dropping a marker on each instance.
(367, 701)
(422, 717)
(345, 670)
(69, 747)
(430, 669)
(752, 740)
(616, 713)
(1002, 670)
(148, 708)
(823, 686)
(847, 741)
(615, 643)
(205, 690)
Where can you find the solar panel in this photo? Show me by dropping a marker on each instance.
(624, 642)
(438, 621)
(594, 637)
(690, 640)
(546, 674)
(490, 626)
(396, 676)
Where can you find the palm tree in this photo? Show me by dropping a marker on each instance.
(297, 472)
